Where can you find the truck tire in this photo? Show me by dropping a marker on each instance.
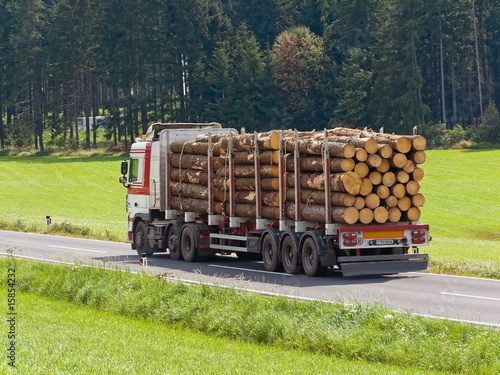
(270, 254)
(141, 240)
(173, 243)
(290, 255)
(310, 258)
(188, 245)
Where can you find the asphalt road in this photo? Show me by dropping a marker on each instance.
(451, 297)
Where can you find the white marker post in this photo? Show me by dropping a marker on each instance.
(48, 220)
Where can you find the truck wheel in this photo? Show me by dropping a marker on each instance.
(310, 258)
(141, 240)
(188, 245)
(270, 254)
(173, 243)
(290, 255)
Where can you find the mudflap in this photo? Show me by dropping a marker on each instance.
(383, 264)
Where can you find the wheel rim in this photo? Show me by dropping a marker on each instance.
(268, 252)
(172, 243)
(308, 257)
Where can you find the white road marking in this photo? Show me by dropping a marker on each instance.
(249, 270)
(77, 249)
(469, 296)
(60, 247)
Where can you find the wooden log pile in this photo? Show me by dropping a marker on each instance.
(374, 178)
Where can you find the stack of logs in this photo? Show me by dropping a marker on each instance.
(374, 178)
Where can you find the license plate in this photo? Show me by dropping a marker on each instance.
(384, 242)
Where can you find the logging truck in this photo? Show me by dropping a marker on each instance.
(341, 198)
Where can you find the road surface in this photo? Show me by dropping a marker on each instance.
(450, 297)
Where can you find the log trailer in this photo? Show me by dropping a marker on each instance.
(156, 224)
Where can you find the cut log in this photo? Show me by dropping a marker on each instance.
(374, 161)
(366, 187)
(317, 197)
(188, 190)
(317, 213)
(359, 203)
(402, 177)
(348, 182)
(418, 174)
(381, 215)
(345, 215)
(361, 154)
(418, 200)
(385, 151)
(412, 187)
(390, 201)
(316, 147)
(215, 138)
(375, 177)
(266, 170)
(366, 216)
(244, 142)
(189, 204)
(361, 169)
(388, 179)
(418, 157)
(190, 161)
(397, 142)
(247, 158)
(372, 201)
(409, 166)
(398, 190)
(413, 214)
(315, 164)
(398, 160)
(382, 191)
(384, 167)
(189, 175)
(404, 203)
(418, 142)
(189, 147)
(394, 215)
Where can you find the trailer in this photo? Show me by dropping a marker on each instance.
(294, 244)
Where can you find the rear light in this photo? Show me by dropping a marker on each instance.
(418, 233)
(418, 239)
(349, 236)
(350, 242)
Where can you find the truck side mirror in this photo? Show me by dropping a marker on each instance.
(124, 167)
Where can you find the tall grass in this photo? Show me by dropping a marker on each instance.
(59, 337)
(348, 331)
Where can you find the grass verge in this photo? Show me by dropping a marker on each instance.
(59, 337)
(345, 331)
(64, 228)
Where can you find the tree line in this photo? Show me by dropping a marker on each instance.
(258, 64)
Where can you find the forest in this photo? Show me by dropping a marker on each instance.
(257, 64)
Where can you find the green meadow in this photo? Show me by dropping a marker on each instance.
(461, 188)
